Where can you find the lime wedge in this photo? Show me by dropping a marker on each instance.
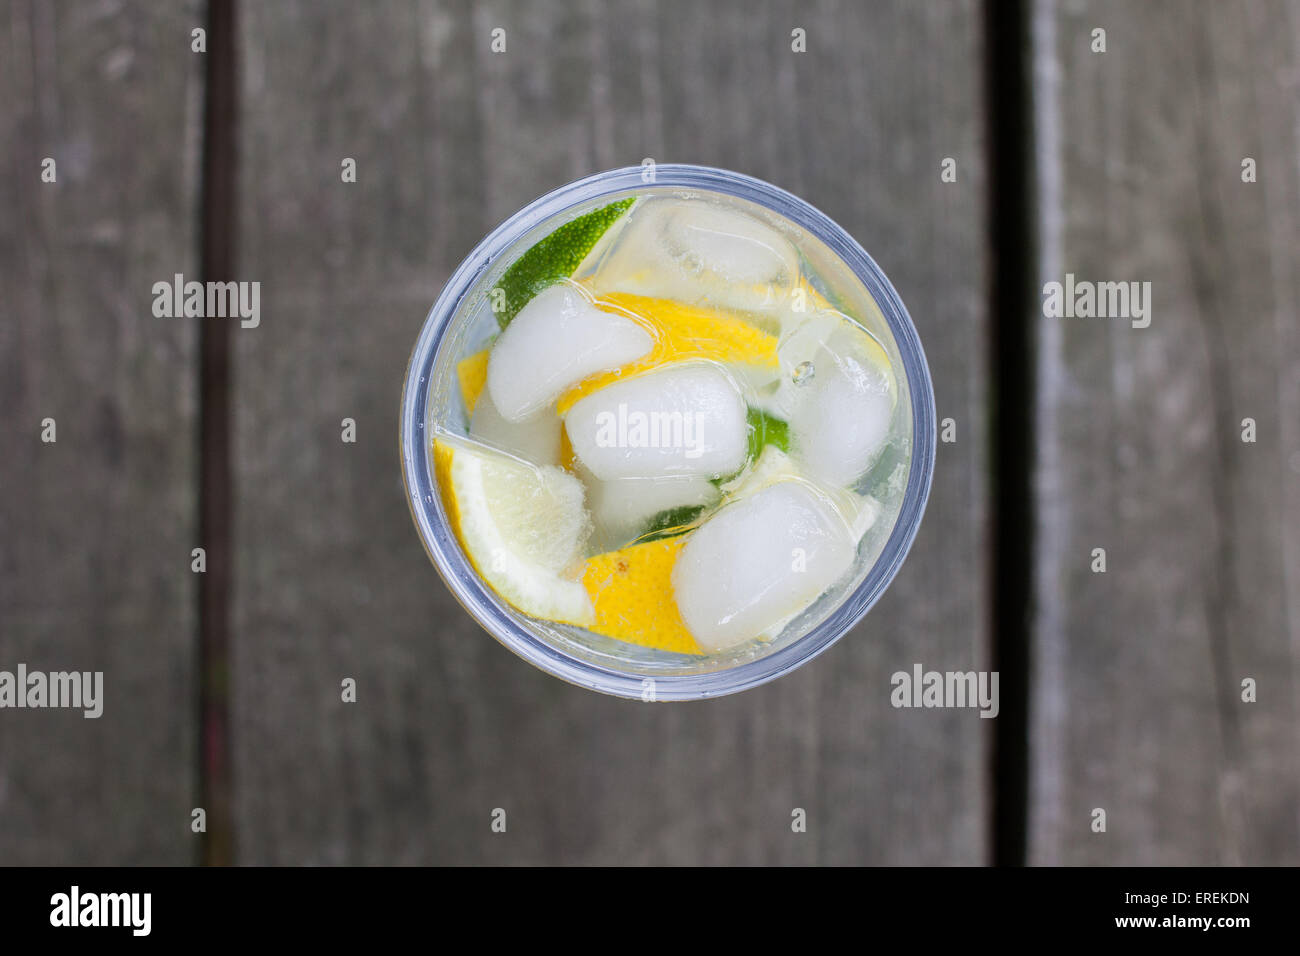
(553, 258)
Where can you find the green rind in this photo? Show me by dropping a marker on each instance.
(765, 429)
(552, 258)
(670, 523)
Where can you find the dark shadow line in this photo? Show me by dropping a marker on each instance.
(1008, 62)
(216, 263)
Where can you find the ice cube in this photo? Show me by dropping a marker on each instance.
(680, 420)
(836, 392)
(557, 340)
(623, 508)
(803, 335)
(535, 439)
(699, 252)
(859, 512)
(758, 562)
(841, 422)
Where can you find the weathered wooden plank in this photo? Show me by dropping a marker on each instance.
(1138, 706)
(331, 580)
(96, 528)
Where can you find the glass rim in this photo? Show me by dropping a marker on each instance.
(474, 594)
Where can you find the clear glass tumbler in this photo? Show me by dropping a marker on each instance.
(430, 397)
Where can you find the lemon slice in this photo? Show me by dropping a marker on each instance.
(472, 372)
(631, 590)
(680, 332)
(522, 526)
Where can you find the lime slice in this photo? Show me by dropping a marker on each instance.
(555, 257)
(671, 522)
(771, 466)
(522, 526)
(764, 430)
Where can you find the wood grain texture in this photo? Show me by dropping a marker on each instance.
(96, 528)
(331, 580)
(1137, 705)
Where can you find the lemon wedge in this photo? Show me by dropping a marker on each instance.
(631, 591)
(472, 372)
(522, 526)
(680, 332)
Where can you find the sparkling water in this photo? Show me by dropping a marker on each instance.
(725, 395)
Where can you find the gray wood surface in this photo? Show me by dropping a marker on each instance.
(331, 581)
(96, 528)
(1138, 672)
